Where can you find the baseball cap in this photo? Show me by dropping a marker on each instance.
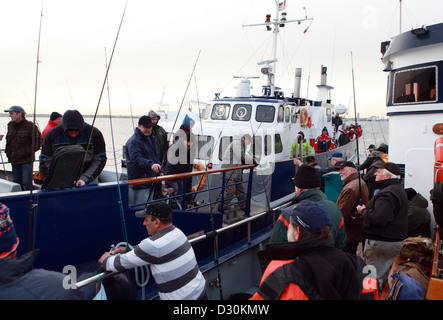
(16, 109)
(310, 216)
(159, 210)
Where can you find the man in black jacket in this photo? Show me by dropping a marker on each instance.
(385, 220)
(19, 144)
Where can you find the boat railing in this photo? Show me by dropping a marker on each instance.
(205, 237)
(195, 206)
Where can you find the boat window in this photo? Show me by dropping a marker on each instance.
(415, 85)
(205, 146)
(257, 147)
(206, 111)
(293, 115)
(224, 143)
(241, 112)
(278, 144)
(287, 114)
(220, 111)
(265, 114)
(281, 114)
(268, 145)
(328, 114)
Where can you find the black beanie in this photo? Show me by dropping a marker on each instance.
(73, 120)
(55, 115)
(307, 177)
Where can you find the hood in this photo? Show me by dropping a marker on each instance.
(419, 201)
(153, 114)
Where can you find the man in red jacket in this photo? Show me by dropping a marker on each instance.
(324, 142)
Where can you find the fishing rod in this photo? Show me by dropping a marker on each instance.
(31, 204)
(122, 216)
(103, 88)
(356, 134)
(130, 106)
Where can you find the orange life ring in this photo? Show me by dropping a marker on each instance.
(438, 154)
(304, 117)
(202, 182)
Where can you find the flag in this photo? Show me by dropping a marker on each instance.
(282, 6)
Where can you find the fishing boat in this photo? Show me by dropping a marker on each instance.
(72, 227)
(414, 105)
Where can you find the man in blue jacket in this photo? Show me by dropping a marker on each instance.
(142, 159)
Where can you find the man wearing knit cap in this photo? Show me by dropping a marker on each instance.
(385, 220)
(307, 187)
(54, 120)
(22, 136)
(309, 267)
(18, 279)
(74, 131)
(142, 159)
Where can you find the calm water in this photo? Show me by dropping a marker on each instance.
(374, 132)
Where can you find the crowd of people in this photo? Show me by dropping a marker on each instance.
(320, 245)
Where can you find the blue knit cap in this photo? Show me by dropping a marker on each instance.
(187, 122)
(309, 215)
(8, 237)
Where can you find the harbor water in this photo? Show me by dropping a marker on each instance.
(118, 130)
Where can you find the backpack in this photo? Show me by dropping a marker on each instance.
(416, 247)
(416, 271)
(405, 287)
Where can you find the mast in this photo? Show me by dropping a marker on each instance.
(270, 66)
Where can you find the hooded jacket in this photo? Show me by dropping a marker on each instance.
(19, 281)
(385, 218)
(419, 218)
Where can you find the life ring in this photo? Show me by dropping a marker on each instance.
(438, 154)
(304, 117)
(202, 182)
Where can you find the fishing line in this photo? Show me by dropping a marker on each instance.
(122, 216)
(101, 92)
(31, 205)
(356, 134)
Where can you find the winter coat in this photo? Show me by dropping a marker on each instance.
(51, 124)
(279, 233)
(161, 135)
(323, 144)
(173, 164)
(236, 155)
(310, 269)
(19, 142)
(141, 153)
(347, 201)
(385, 218)
(95, 159)
(419, 218)
(19, 281)
(305, 146)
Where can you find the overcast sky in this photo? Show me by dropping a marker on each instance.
(160, 41)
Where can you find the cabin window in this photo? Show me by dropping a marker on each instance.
(241, 112)
(220, 111)
(265, 114)
(268, 145)
(278, 144)
(287, 114)
(257, 147)
(415, 85)
(224, 143)
(206, 112)
(328, 114)
(205, 147)
(281, 114)
(293, 115)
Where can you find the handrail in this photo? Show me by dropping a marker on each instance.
(435, 259)
(185, 175)
(195, 240)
